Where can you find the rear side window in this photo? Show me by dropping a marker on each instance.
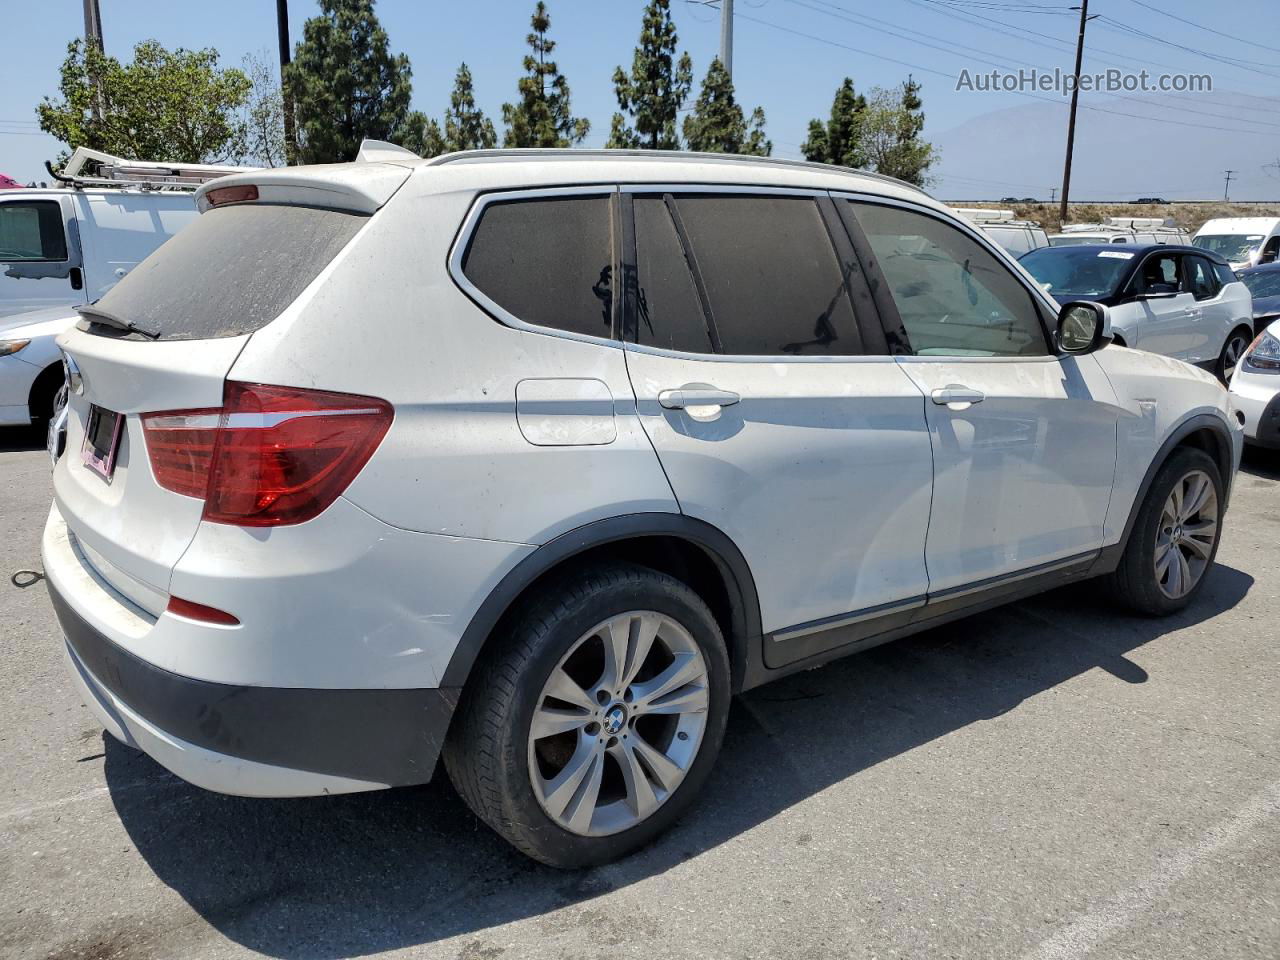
(232, 271)
(31, 230)
(546, 261)
(1202, 279)
(669, 313)
(955, 298)
(773, 283)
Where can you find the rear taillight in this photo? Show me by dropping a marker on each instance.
(270, 455)
(199, 612)
(245, 193)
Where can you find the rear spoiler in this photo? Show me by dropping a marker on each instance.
(355, 187)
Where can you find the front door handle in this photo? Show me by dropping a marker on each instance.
(696, 395)
(956, 393)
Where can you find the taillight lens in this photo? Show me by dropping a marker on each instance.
(245, 193)
(270, 455)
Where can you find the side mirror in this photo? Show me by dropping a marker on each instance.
(1083, 327)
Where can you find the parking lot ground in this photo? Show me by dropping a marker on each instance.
(1049, 780)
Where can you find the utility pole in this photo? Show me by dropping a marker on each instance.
(93, 38)
(726, 36)
(1226, 192)
(282, 32)
(1075, 98)
(1053, 194)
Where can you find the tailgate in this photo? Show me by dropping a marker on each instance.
(130, 529)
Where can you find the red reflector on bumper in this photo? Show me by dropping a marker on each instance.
(198, 611)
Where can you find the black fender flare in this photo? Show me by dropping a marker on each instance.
(721, 550)
(1110, 556)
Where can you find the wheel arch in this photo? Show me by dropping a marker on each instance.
(45, 385)
(691, 550)
(1202, 431)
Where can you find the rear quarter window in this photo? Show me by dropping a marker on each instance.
(231, 272)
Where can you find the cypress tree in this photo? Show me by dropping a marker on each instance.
(716, 123)
(465, 125)
(655, 89)
(840, 141)
(345, 83)
(542, 117)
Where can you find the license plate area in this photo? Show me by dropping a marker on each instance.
(102, 441)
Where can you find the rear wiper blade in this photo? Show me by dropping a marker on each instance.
(96, 314)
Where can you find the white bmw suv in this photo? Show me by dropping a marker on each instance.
(530, 460)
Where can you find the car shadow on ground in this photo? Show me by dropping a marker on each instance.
(21, 438)
(347, 876)
(1261, 463)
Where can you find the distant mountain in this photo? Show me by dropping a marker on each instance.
(1019, 151)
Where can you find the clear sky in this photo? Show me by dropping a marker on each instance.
(789, 57)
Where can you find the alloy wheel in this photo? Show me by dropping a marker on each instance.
(1186, 534)
(1232, 353)
(618, 723)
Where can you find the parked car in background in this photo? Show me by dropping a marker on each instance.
(1178, 301)
(1242, 241)
(1255, 388)
(1016, 236)
(1149, 200)
(546, 522)
(65, 245)
(1120, 230)
(70, 245)
(1264, 285)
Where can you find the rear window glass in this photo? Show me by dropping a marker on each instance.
(547, 262)
(231, 272)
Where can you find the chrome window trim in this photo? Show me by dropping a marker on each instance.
(469, 223)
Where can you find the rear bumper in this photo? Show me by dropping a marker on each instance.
(257, 741)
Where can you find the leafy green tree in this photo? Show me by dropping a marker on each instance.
(346, 84)
(422, 135)
(465, 125)
(716, 123)
(892, 131)
(166, 105)
(840, 140)
(655, 89)
(543, 117)
(263, 115)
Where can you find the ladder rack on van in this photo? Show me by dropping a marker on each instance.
(141, 174)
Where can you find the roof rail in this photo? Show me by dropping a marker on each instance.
(574, 153)
(143, 174)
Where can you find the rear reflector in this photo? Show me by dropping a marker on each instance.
(270, 455)
(198, 611)
(241, 194)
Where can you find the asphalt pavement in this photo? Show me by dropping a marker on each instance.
(1049, 780)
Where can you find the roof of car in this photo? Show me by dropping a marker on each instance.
(1136, 248)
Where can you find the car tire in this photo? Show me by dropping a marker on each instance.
(1174, 541)
(1235, 347)
(640, 758)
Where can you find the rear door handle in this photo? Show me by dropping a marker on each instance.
(957, 393)
(696, 396)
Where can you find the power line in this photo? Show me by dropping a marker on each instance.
(849, 16)
(951, 76)
(1248, 65)
(1200, 26)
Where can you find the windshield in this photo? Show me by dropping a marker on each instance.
(1234, 247)
(1079, 273)
(1074, 239)
(1265, 283)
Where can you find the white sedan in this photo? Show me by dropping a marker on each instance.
(1255, 388)
(30, 364)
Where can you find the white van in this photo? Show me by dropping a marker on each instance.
(69, 244)
(1242, 241)
(1121, 230)
(1016, 236)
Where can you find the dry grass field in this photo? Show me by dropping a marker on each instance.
(1189, 216)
